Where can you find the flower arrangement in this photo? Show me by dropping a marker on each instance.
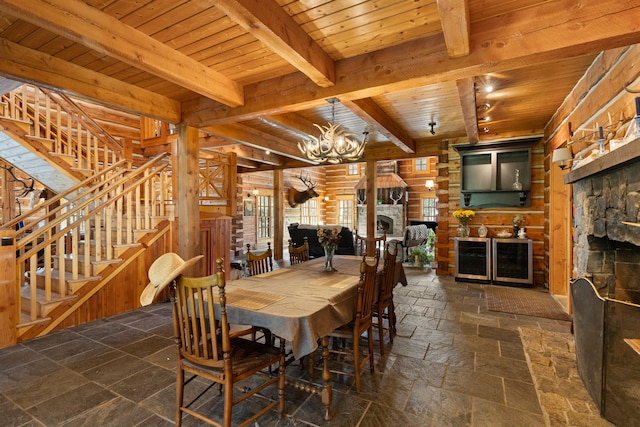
(464, 216)
(517, 220)
(329, 238)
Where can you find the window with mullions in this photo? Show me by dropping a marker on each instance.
(264, 216)
(345, 213)
(429, 210)
(309, 212)
(352, 169)
(421, 164)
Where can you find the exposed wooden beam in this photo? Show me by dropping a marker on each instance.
(38, 68)
(256, 156)
(86, 25)
(499, 44)
(370, 112)
(467, 93)
(454, 15)
(271, 24)
(255, 138)
(293, 122)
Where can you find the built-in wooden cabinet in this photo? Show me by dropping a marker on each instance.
(495, 174)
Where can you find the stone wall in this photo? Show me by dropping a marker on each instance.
(606, 250)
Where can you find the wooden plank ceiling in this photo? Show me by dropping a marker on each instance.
(256, 74)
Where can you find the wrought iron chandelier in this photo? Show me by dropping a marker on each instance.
(334, 145)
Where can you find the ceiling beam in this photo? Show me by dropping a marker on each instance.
(255, 156)
(257, 139)
(499, 44)
(38, 68)
(371, 113)
(275, 28)
(467, 93)
(454, 16)
(88, 26)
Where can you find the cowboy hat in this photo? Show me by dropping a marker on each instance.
(162, 272)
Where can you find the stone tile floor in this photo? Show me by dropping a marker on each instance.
(453, 363)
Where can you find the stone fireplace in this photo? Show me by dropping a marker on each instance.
(389, 220)
(607, 251)
(606, 297)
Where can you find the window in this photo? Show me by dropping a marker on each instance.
(264, 215)
(429, 210)
(352, 169)
(309, 212)
(425, 164)
(345, 213)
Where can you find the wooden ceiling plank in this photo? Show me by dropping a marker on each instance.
(454, 15)
(467, 93)
(424, 62)
(91, 27)
(270, 24)
(370, 112)
(24, 64)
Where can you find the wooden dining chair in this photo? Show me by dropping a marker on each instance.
(352, 331)
(259, 263)
(362, 243)
(205, 349)
(298, 254)
(384, 308)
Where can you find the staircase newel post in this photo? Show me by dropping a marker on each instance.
(8, 289)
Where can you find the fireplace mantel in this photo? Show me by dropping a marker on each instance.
(623, 155)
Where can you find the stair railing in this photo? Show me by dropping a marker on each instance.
(86, 230)
(68, 132)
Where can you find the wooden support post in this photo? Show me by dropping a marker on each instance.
(371, 172)
(8, 289)
(278, 220)
(186, 193)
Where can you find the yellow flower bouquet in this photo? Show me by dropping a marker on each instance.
(464, 216)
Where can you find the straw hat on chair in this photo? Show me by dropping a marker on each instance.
(162, 272)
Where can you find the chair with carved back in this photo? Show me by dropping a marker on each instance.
(384, 308)
(352, 331)
(299, 254)
(363, 244)
(259, 262)
(206, 350)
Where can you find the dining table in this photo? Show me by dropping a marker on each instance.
(301, 304)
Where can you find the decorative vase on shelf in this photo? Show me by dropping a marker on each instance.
(328, 261)
(463, 230)
(517, 185)
(482, 231)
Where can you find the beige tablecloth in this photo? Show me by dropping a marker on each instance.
(303, 302)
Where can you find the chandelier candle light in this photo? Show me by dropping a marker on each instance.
(329, 238)
(464, 217)
(334, 145)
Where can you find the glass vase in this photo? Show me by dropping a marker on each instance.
(328, 261)
(463, 230)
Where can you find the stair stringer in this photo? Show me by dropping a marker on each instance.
(139, 258)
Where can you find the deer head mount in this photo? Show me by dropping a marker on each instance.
(295, 197)
(25, 184)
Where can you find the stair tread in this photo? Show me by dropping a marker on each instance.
(68, 276)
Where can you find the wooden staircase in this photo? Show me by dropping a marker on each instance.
(50, 138)
(85, 237)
